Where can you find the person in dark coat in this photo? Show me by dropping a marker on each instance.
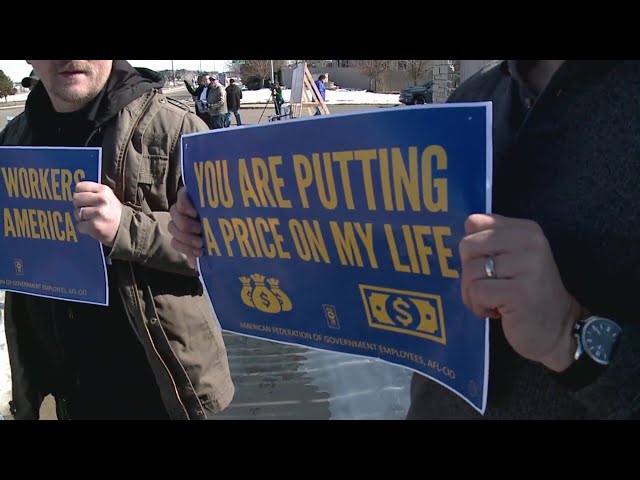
(200, 97)
(234, 96)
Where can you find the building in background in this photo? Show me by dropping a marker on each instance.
(446, 74)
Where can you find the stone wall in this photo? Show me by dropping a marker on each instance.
(469, 67)
(446, 77)
(448, 74)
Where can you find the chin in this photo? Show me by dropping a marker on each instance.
(75, 95)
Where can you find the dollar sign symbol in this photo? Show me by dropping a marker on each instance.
(245, 293)
(265, 299)
(283, 298)
(403, 316)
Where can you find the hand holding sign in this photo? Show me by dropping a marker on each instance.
(98, 211)
(43, 252)
(527, 293)
(185, 228)
(339, 234)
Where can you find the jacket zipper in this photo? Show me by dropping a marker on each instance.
(144, 108)
(153, 344)
(133, 278)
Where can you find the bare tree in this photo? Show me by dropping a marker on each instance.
(417, 68)
(374, 70)
(316, 63)
(233, 67)
(257, 68)
(261, 68)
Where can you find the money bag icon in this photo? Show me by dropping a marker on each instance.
(263, 298)
(284, 299)
(245, 293)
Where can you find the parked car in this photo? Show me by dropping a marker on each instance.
(417, 95)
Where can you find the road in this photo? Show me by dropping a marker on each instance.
(275, 381)
(9, 112)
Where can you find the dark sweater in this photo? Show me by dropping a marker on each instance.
(571, 162)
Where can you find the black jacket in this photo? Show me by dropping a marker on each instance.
(234, 95)
(196, 96)
(156, 300)
(196, 93)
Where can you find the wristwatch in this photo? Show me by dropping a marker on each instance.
(597, 338)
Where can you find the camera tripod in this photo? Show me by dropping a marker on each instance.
(278, 114)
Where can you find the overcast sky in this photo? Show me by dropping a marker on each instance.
(17, 69)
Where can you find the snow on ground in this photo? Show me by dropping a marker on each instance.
(334, 97)
(21, 97)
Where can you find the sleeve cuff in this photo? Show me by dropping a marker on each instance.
(130, 238)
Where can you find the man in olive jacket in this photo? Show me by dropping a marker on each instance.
(217, 99)
(156, 352)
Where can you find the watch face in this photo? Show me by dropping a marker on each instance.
(599, 336)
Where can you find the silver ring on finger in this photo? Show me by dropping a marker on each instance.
(80, 214)
(490, 267)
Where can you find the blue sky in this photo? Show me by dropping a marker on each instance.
(17, 69)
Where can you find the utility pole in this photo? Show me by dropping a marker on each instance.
(173, 74)
(272, 79)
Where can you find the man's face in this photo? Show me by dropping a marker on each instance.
(72, 84)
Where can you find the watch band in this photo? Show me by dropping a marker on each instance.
(580, 373)
(585, 370)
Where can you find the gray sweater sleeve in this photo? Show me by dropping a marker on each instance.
(615, 394)
(596, 248)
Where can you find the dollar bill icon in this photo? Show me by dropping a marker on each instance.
(412, 313)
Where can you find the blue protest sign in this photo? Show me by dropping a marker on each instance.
(42, 252)
(341, 233)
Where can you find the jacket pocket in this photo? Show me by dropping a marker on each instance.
(151, 182)
(153, 169)
(153, 149)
